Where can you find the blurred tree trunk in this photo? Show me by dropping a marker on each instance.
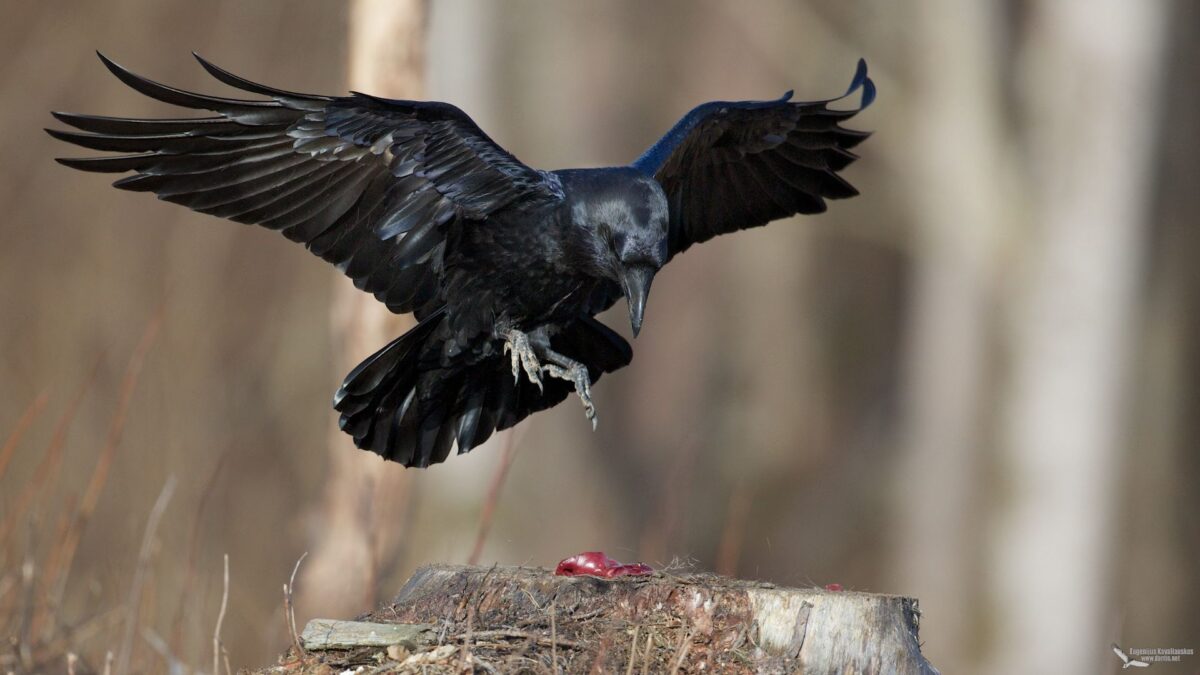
(366, 498)
(1160, 584)
(1083, 124)
(960, 200)
(1087, 82)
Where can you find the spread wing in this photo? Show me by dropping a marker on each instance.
(733, 165)
(369, 184)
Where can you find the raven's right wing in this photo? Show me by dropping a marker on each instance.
(368, 184)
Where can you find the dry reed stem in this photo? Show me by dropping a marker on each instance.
(189, 578)
(133, 371)
(464, 656)
(289, 607)
(729, 550)
(148, 609)
(78, 633)
(99, 477)
(684, 647)
(32, 411)
(481, 635)
(670, 514)
(287, 618)
(493, 496)
(646, 654)
(139, 574)
(7, 582)
(553, 637)
(393, 506)
(220, 619)
(174, 665)
(50, 459)
(632, 650)
(53, 560)
(28, 570)
(601, 652)
(366, 517)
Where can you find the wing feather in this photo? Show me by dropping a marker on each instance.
(369, 184)
(732, 165)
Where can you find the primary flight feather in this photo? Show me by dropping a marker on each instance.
(504, 266)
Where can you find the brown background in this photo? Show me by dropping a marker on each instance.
(975, 384)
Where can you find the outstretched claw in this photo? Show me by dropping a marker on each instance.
(576, 373)
(517, 343)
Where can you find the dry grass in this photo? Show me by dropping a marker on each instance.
(31, 613)
(548, 638)
(289, 608)
(145, 553)
(26, 420)
(218, 649)
(45, 637)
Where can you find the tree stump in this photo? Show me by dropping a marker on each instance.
(451, 618)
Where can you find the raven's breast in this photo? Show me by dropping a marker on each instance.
(514, 274)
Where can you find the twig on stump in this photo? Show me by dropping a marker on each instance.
(220, 620)
(289, 607)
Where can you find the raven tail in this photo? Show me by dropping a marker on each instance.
(410, 404)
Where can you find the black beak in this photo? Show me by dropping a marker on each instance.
(636, 282)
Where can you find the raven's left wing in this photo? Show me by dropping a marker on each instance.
(732, 165)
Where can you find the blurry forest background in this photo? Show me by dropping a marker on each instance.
(976, 384)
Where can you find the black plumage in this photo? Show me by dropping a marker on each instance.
(504, 266)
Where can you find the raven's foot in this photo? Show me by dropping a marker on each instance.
(575, 372)
(523, 356)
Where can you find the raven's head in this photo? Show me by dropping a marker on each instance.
(625, 212)
(637, 253)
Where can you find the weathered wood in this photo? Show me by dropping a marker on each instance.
(505, 619)
(322, 634)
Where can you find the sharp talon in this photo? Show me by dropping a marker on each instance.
(523, 356)
(577, 375)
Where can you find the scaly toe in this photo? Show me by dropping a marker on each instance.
(514, 358)
(535, 378)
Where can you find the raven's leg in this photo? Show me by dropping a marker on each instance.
(523, 355)
(575, 372)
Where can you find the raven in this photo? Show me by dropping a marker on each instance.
(504, 266)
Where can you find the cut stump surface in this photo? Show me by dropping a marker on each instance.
(518, 619)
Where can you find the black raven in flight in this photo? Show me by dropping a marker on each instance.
(504, 266)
